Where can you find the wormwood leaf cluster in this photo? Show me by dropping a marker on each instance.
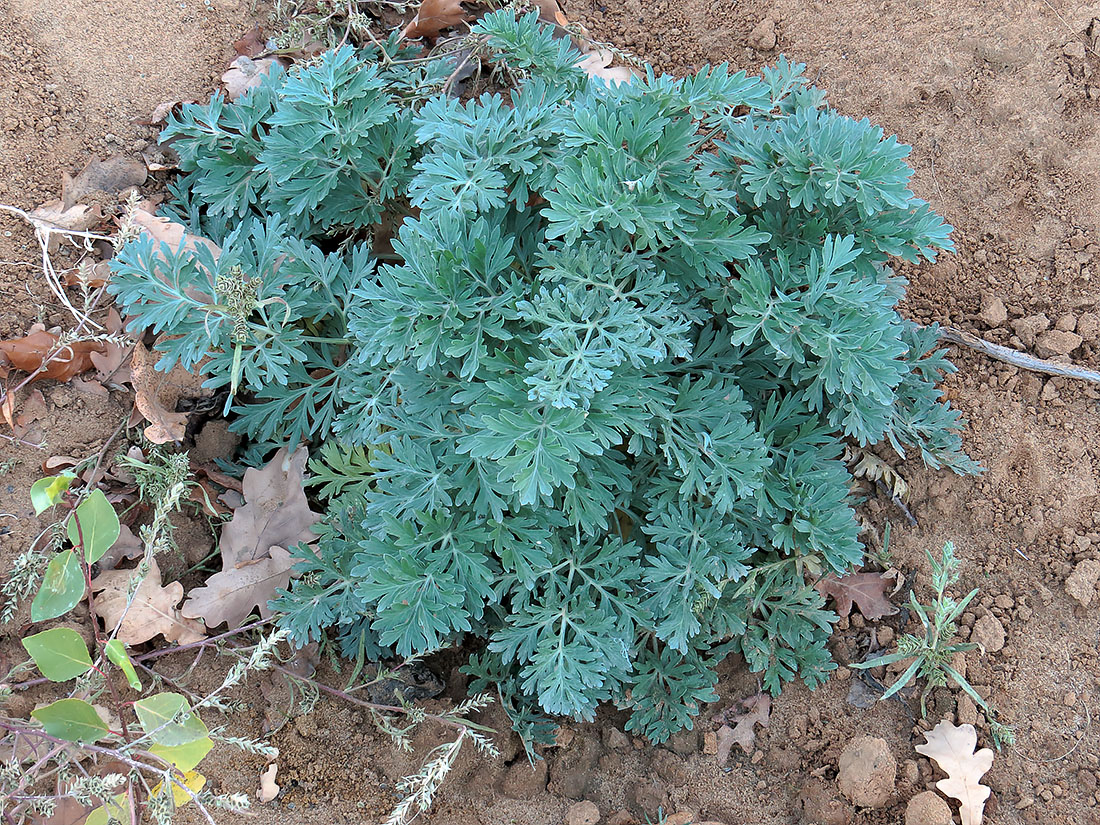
(589, 403)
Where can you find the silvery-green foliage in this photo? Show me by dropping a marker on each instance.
(592, 406)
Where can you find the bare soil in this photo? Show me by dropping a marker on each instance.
(1001, 102)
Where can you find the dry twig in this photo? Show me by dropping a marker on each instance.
(1016, 358)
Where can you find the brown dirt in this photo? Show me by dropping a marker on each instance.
(1003, 112)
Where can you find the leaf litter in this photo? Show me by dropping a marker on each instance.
(953, 750)
(152, 612)
(755, 710)
(254, 546)
(866, 590)
(156, 394)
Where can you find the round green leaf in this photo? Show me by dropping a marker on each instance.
(62, 587)
(116, 652)
(73, 720)
(94, 524)
(184, 757)
(59, 653)
(46, 492)
(156, 714)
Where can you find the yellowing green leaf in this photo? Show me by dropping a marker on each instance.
(156, 714)
(184, 757)
(62, 587)
(46, 492)
(116, 808)
(194, 781)
(60, 654)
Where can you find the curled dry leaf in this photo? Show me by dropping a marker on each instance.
(255, 561)
(157, 393)
(127, 546)
(244, 73)
(756, 710)
(597, 64)
(39, 349)
(867, 590)
(108, 177)
(268, 789)
(153, 609)
(76, 218)
(161, 111)
(952, 748)
(252, 43)
(112, 364)
(434, 16)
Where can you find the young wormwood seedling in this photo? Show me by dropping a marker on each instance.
(933, 651)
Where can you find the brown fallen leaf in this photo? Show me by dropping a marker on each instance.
(157, 393)
(93, 276)
(127, 546)
(73, 218)
(109, 177)
(551, 12)
(867, 590)
(434, 16)
(231, 595)
(597, 64)
(251, 43)
(244, 73)
(153, 609)
(33, 409)
(67, 811)
(112, 367)
(39, 348)
(276, 512)
(756, 710)
(952, 747)
(255, 561)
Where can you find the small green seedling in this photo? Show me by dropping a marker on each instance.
(932, 653)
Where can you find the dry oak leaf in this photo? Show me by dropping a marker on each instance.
(73, 218)
(867, 590)
(275, 513)
(109, 177)
(231, 595)
(126, 546)
(157, 393)
(252, 43)
(255, 561)
(153, 609)
(597, 64)
(756, 710)
(434, 16)
(164, 230)
(29, 353)
(952, 748)
(244, 73)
